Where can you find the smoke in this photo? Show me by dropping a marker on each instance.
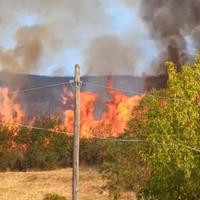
(130, 3)
(111, 55)
(57, 26)
(169, 22)
(28, 50)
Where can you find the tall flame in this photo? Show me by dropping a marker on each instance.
(10, 111)
(118, 112)
(112, 121)
(86, 114)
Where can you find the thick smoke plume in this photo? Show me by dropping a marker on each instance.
(61, 25)
(28, 50)
(86, 25)
(169, 21)
(58, 25)
(109, 54)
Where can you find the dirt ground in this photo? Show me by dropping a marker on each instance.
(34, 185)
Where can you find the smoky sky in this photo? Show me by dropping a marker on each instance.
(111, 54)
(86, 25)
(168, 22)
(60, 24)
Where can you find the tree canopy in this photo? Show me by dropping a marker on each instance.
(168, 123)
(170, 126)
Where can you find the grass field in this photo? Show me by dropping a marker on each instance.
(34, 185)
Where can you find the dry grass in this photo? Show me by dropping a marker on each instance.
(34, 185)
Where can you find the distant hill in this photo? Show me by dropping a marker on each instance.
(48, 101)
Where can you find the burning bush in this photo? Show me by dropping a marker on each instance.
(34, 149)
(43, 149)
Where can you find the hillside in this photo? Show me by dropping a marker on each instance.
(48, 101)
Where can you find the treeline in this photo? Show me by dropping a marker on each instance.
(33, 149)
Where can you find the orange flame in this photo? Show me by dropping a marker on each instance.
(118, 112)
(10, 111)
(113, 120)
(86, 114)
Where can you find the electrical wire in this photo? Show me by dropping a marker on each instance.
(145, 141)
(112, 139)
(118, 139)
(41, 129)
(92, 84)
(38, 88)
(133, 92)
(101, 86)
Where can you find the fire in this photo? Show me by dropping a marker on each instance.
(86, 114)
(118, 112)
(113, 120)
(10, 111)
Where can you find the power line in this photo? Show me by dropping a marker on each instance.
(92, 84)
(111, 88)
(119, 89)
(132, 92)
(118, 139)
(137, 141)
(41, 129)
(145, 141)
(191, 148)
(37, 88)
(102, 86)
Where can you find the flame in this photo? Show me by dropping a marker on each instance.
(118, 112)
(10, 112)
(63, 96)
(86, 114)
(88, 121)
(112, 121)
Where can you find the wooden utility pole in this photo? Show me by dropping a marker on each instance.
(75, 181)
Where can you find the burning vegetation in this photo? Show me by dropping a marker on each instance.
(111, 122)
(10, 112)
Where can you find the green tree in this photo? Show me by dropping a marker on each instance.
(167, 162)
(169, 125)
(10, 157)
(47, 150)
(122, 169)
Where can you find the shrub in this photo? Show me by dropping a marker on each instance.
(92, 151)
(43, 149)
(34, 149)
(122, 169)
(53, 197)
(62, 147)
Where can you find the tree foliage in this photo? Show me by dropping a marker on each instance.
(168, 122)
(121, 169)
(41, 149)
(53, 196)
(170, 126)
(33, 148)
